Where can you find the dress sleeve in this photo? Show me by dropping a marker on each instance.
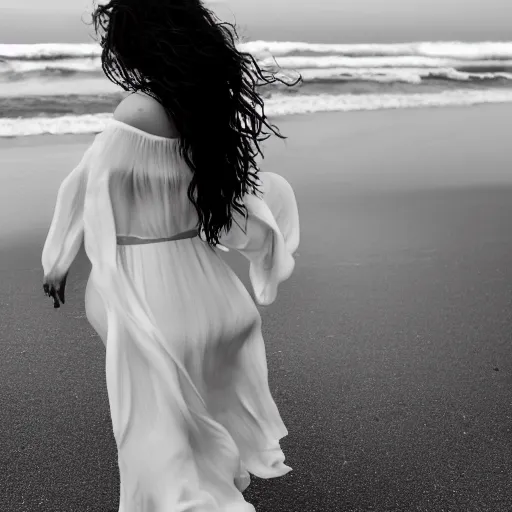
(66, 232)
(268, 237)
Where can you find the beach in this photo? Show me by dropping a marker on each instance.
(388, 349)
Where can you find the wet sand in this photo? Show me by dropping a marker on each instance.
(389, 348)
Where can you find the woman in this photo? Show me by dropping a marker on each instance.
(172, 177)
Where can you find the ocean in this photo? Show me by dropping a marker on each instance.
(60, 88)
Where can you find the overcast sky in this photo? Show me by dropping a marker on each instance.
(313, 20)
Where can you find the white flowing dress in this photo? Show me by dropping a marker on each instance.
(186, 366)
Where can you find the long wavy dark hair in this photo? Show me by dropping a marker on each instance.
(179, 53)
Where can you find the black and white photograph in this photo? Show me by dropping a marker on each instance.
(255, 256)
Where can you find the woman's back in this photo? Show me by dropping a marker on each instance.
(148, 183)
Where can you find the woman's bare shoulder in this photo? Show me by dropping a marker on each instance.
(145, 113)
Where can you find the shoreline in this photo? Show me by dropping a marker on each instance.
(70, 138)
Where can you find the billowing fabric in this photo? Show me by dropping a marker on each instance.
(186, 369)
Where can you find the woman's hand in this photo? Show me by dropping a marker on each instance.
(55, 289)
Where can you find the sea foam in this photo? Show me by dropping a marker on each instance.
(274, 107)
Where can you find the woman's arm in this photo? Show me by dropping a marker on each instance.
(269, 237)
(66, 232)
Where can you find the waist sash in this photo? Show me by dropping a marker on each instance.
(133, 240)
